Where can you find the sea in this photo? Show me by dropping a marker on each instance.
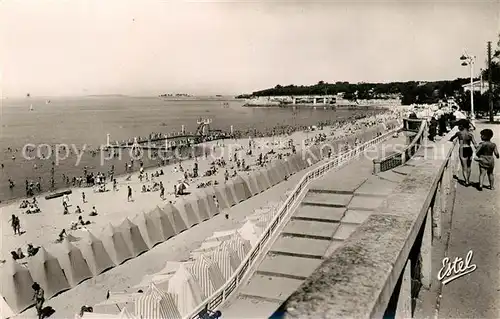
(86, 122)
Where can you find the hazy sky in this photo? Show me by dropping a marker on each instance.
(77, 47)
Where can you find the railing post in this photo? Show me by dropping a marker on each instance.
(425, 251)
(404, 306)
(376, 166)
(437, 210)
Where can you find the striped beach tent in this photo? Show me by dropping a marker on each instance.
(74, 265)
(208, 274)
(16, 286)
(262, 181)
(96, 255)
(186, 288)
(239, 245)
(227, 263)
(156, 304)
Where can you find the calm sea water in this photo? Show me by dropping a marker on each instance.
(87, 121)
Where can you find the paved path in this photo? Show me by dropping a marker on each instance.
(333, 208)
(475, 226)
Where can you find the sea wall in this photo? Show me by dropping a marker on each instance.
(118, 244)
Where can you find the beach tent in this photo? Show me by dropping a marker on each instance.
(5, 310)
(241, 246)
(206, 246)
(202, 207)
(133, 238)
(156, 304)
(221, 235)
(115, 245)
(298, 159)
(251, 183)
(221, 197)
(228, 190)
(262, 181)
(150, 229)
(16, 286)
(227, 263)
(233, 253)
(291, 166)
(186, 288)
(115, 302)
(208, 274)
(124, 314)
(96, 255)
(161, 281)
(74, 265)
(251, 232)
(46, 270)
(271, 175)
(274, 173)
(173, 215)
(211, 201)
(241, 189)
(187, 211)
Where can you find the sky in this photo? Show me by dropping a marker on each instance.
(143, 47)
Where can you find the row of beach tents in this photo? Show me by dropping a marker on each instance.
(117, 244)
(176, 290)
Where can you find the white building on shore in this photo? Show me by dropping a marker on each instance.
(478, 86)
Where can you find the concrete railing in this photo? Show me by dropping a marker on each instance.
(399, 158)
(269, 235)
(380, 269)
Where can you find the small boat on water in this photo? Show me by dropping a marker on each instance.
(31, 107)
(47, 102)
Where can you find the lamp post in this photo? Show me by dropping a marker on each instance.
(468, 60)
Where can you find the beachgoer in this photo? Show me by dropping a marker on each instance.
(484, 156)
(129, 196)
(62, 234)
(13, 222)
(83, 198)
(466, 140)
(39, 299)
(93, 212)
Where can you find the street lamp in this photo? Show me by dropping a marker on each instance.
(468, 60)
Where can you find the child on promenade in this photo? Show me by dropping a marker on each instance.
(484, 156)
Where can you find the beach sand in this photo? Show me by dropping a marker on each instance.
(42, 229)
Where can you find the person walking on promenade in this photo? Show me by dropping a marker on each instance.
(39, 299)
(129, 196)
(484, 156)
(466, 140)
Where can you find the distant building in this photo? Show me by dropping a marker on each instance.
(478, 86)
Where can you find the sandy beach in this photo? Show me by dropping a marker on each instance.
(42, 229)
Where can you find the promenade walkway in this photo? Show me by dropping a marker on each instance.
(475, 226)
(332, 209)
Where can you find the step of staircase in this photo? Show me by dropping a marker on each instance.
(310, 229)
(392, 176)
(326, 199)
(319, 213)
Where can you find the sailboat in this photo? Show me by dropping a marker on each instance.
(31, 107)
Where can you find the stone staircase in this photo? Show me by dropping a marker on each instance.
(333, 208)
